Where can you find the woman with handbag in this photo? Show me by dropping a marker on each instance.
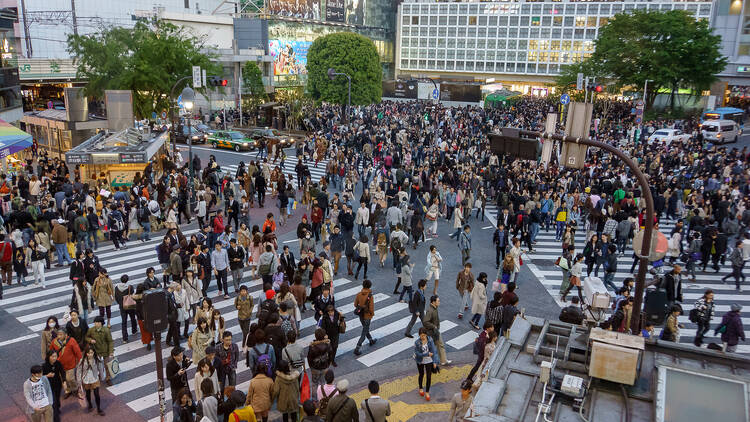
(89, 373)
(425, 354)
(103, 293)
(124, 298)
(575, 277)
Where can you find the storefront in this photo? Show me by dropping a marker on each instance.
(14, 147)
(116, 157)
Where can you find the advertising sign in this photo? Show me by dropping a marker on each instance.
(335, 10)
(425, 91)
(289, 56)
(355, 12)
(301, 9)
(73, 158)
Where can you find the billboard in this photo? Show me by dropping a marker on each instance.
(400, 89)
(335, 10)
(355, 12)
(289, 56)
(301, 9)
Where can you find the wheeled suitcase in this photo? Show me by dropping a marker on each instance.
(655, 306)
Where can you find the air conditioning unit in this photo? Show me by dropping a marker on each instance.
(595, 293)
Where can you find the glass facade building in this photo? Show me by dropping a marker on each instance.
(510, 41)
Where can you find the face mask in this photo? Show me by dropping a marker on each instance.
(307, 237)
(51, 325)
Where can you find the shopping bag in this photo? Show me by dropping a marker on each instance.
(72, 250)
(113, 367)
(304, 392)
(81, 397)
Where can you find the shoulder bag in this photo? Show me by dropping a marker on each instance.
(369, 412)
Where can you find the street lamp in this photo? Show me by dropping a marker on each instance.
(188, 98)
(332, 75)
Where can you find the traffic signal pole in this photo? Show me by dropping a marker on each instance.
(640, 280)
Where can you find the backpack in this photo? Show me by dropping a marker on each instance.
(143, 214)
(323, 404)
(82, 226)
(320, 361)
(264, 269)
(286, 324)
(395, 244)
(694, 315)
(118, 223)
(382, 241)
(6, 252)
(265, 359)
(359, 310)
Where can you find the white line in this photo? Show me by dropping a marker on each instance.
(18, 340)
(396, 347)
(463, 340)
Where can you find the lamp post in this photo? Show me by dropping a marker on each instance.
(188, 98)
(332, 75)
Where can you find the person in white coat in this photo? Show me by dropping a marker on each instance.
(183, 305)
(478, 300)
(362, 255)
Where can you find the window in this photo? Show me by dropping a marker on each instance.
(490, 55)
(554, 45)
(479, 55)
(533, 56)
(451, 43)
(404, 20)
(491, 44)
(481, 44)
(462, 32)
(471, 32)
(522, 44)
(533, 44)
(433, 20)
(452, 32)
(566, 45)
(520, 67)
(547, 21)
(580, 21)
(554, 57)
(603, 21)
(452, 20)
(462, 20)
(470, 54)
(511, 55)
(569, 21)
(521, 55)
(461, 43)
(557, 20)
(534, 33)
(501, 44)
(441, 42)
(433, 42)
(470, 43)
(523, 33)
(472, 20)
(442, 31)
(503, 21)
(591, 22)
(511, 44)
(493, 21)
(577, 45)
(483, 21)
(415, 20)
(481, 32)
(579, 34)
(543, 56)
(514, 21)
(492, 32)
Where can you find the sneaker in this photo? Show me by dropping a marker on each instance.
(447, 362)
(357, 352)
(373, 341)
(460, 316)
(100, 412)
(408, 335)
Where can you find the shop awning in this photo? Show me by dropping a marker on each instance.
(12, 139)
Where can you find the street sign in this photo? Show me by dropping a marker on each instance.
(163, 114)
(153, 115)
(659, 245)
(203, 76)
(435, 94)
(565, 99)
(196, 77)
(579, 81)
(638, 120)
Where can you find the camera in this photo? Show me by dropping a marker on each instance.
(186, 362)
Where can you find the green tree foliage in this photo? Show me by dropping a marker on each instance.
(147, 59)
(252, 83)
(670, 49)
(348, 53)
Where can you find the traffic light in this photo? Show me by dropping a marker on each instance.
(598, 88)
(217, 81)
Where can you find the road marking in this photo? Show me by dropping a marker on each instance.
(463, 340)
(18, 340)
(395, 347)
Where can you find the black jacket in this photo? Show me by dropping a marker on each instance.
(419, 302)
(176, 381)
(331, 327)
(77, 271)
(673, 286)
(321, 304)
(237, 252)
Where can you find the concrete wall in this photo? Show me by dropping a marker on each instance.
(217, 31)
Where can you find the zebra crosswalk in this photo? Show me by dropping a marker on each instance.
(547, 249)
(136, 383)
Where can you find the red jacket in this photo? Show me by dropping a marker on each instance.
(317, 215)
(68, 353)
(218, 225)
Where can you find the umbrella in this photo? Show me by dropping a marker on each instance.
(12, 139)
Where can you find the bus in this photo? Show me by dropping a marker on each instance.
(725, 113)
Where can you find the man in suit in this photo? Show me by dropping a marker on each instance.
(288, 265)
(505, 219)
(418, 310)
(233, 211)
(375, 407)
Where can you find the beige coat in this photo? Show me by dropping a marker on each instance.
(103, 291)
(363, 249)
(478, 298)
(260, 393)
(286, 391)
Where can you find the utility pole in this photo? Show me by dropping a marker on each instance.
(26, 36)
(73, 15)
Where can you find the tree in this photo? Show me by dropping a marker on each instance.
(252, 83)
(348, 53)
(669, 49)
(147, 60)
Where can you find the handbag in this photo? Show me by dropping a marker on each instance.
(81, 397)
(128, 302)
(342, 325)
(113, 367)
(304, 392)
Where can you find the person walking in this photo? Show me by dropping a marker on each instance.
(478, 300)
(704, 312)
(332, 322)
(434, 267)
(260, 393)
(461, 402)
(417, 307)
(99, 338)
(575, 278)
(376, 408)
(464, 244)
(220, 265)
(53, 371)
(464, 285)
(731, 328)
(286, 391)
(738, 263)
(89, 375)
(103, 295)
(361, 255)
(425, 355)
(479, 344)
(69, 354)
(431, 322)
(237, 257)
(244, 305)
(37, 255)
(124, 297)
(341, 407)
(364, 308)
(39, 397)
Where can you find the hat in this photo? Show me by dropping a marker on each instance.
(588, 189)
(270, 294)
(60, 221)
(735, 307)
(342, 385)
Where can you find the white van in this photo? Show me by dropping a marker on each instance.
(720, 131)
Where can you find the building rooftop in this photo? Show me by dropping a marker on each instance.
(554, 371)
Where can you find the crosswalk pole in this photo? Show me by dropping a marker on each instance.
(160, 375)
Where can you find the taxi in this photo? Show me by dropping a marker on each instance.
(231, 139)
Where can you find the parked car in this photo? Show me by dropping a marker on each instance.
(199, 137)
(270, 135)
(231, 139)
(668, 136)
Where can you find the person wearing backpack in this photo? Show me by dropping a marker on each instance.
(364, 308)
(236, 410)
(116, 223)
(318, 356)
(286, 321)
(701, 314)
(261, 353)
(342, 408)
(738, 262)
(143, 215)
(260, 391)
(416, 307)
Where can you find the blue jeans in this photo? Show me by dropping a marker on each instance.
(407, 289)
(365, 332)
(608, 277)
(560, 230)
(62, 253)
(92, 240)
(534, 228)
(146, 235)
(28, 233)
